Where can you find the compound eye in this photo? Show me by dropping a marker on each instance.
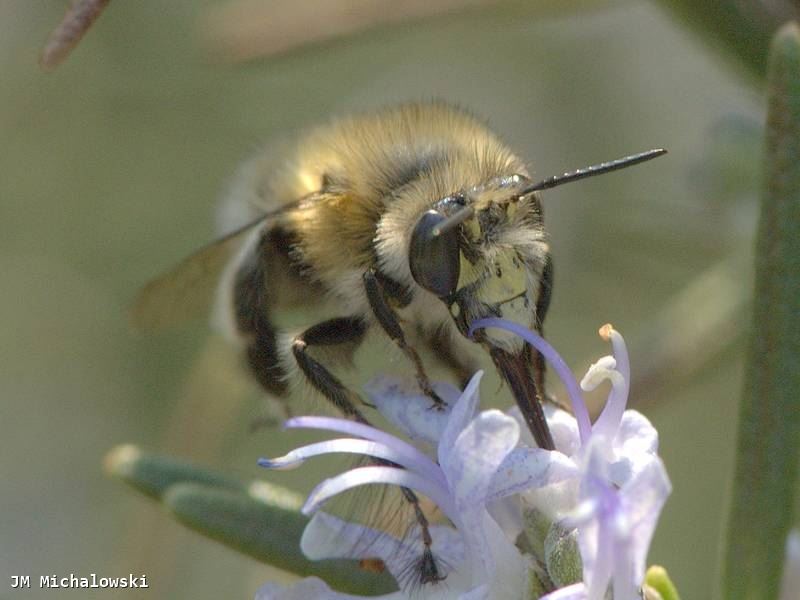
(434, 259)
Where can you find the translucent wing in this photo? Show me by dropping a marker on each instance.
(187, 290)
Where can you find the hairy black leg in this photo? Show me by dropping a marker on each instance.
(330, 333)
(338, 331)
(387, 318)
(441, 345)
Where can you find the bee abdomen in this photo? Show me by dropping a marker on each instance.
(251, 311)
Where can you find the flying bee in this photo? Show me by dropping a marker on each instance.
(411, 222)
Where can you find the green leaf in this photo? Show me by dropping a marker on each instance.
(152, 474)
(768, 447)
(261, 520)
(267, 531)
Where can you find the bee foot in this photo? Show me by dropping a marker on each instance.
(438, 406)
(438, 403)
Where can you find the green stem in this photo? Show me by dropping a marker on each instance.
(765, 481)
(742, 30)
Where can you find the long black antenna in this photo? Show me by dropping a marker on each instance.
(606, 167)
(545, 184)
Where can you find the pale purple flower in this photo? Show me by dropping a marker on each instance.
(478, 462)
(622, 483)
(483, 471)
(576, 591)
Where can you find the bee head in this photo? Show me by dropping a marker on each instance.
(483, 253)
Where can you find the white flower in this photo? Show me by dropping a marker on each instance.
(621, 485)
(605, 479)
(478, 463)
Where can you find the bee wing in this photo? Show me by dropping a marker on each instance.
(187, 290)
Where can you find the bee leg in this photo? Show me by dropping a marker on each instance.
(387, 318)
(441, 344)
(428, 570)
(330, 333)
(338, 331)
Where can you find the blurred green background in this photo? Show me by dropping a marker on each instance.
(110, 171)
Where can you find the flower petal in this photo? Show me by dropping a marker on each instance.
(563, 428)
(311, 587)
(397, 454)
(627, 585)
(597, 554)
(643, 498)
(636, 434)
(576, 591)
(529, 468)
(471, 462)
(380, 475)
(493, 560)
(422, 463)
(555, 360)
(402, 403)
(469, 465)
(327, 536)
(478, 593)
(460, 416)
(634, 447)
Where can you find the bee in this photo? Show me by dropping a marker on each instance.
(410, 222)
